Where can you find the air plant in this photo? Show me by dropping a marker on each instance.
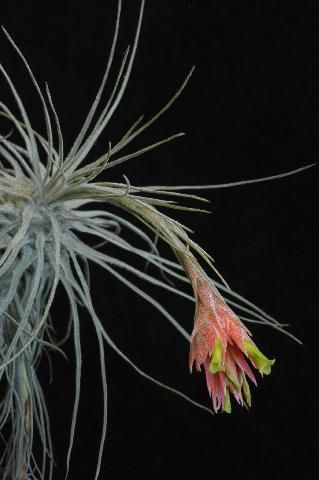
(51, 201)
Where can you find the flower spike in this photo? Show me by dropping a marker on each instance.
(221, 343)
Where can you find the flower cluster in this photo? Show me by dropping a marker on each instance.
(222, 344)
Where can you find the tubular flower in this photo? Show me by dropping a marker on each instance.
(222, 344)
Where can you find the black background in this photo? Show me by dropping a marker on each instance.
(250, 110)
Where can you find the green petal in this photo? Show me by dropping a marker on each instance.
(262, 363)
(232, 377)
(216, 359)
(227, 404)
(246, 391)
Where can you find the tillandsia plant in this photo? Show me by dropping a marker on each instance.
(50, 203)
